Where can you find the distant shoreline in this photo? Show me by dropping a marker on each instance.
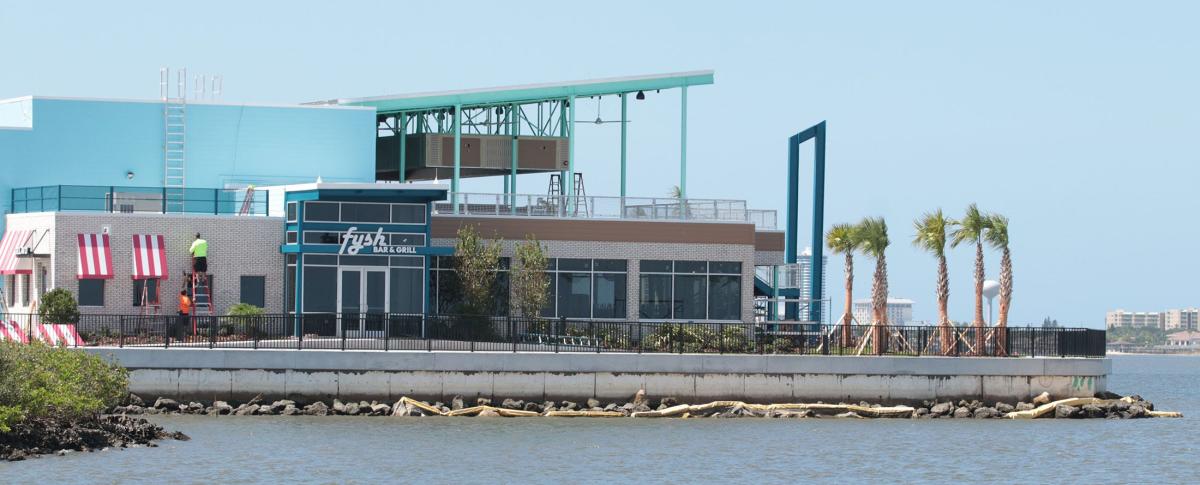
(1183, 354)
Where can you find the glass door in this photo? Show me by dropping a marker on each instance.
(363, 301)
(374, 302)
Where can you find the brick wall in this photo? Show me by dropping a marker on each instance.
(237, 246)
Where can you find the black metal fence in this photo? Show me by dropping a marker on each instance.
(387, 332)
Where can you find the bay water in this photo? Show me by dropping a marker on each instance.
(273, 449)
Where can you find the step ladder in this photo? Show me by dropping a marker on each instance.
(201, 298)
(248, 203)
(577, 203)
(174, 141)
(151, 299)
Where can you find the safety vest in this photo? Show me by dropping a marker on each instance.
(185, 304)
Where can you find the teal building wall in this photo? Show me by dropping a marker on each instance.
(97, 142)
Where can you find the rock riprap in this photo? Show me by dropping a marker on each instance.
(1108, 406)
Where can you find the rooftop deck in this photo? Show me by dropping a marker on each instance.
(153, 200)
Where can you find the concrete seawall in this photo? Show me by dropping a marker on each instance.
(373, 375)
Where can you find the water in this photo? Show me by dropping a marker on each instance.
(541, 450)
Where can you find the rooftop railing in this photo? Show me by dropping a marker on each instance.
(136, 200)
(603, 207)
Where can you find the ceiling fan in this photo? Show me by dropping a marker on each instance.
(599, 120)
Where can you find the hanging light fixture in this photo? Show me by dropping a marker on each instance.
(641, 96)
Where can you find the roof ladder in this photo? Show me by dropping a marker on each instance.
(174, 140)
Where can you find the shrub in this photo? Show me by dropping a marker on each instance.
(39, 381)
(245, 317)
(58, 306)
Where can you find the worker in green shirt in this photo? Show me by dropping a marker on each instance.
(199, 252)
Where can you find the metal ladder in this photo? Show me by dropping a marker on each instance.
(151, 300)
(248, 202)
(580, 195)
(174, 140)
(201, 298)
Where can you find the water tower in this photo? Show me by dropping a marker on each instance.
(991, 288)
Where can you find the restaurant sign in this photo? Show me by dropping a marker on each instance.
(354, 241)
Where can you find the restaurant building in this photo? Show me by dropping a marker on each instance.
(332, 208)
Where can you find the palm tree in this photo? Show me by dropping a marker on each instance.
(873, 239)
(931, 236)
(843, 238)
(971, 228)
(997, 237)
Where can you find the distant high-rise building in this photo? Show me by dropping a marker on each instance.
(1182, 319)
(899, 311)
(801, 277)
(1121, 318)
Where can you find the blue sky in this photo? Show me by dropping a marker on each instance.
(1077, 120)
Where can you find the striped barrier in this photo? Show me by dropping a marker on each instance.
(12, 332)
(50, 333)
(57, 334)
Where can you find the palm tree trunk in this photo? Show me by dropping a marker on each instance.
(848, 314)
(945, 333)
(1005, 297)
(879, 292)
(980, 337)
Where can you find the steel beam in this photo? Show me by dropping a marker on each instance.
(683, 148)
(815, 293)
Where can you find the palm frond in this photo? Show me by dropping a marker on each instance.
(873, 236)
(931, 231)
(842, 238)
(971, 227)
(997, 231)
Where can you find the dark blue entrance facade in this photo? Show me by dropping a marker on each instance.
(359, 249)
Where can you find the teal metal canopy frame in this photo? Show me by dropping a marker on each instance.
(535, 110)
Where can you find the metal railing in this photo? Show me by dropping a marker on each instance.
(602, 207)
(387, 332)
(143, 200)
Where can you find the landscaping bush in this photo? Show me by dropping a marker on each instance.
(58, 306)
(39, 381)
(245, 319)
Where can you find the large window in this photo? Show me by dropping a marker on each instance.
(91, 292)
(254, 290)
(692, 290)
(587, 288)
(446, 293)
(363, 212)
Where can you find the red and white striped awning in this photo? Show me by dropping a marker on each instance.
(95, 257)
(149, 257)
(13, 240)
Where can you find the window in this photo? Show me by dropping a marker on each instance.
(446, 292)
(370, 213)
(408, 213)
(321, 211)
(320, 288)
(43, 280)
(587, 288)
(26, 281)
(151, 286)
(655, 296)
(289, 292)
(254, 290)
(692, 290)
(291, 237)
(407, 287)
(291, 212)
(10, 282)
(91, 292)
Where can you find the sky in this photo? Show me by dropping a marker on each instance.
(1077, 120)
